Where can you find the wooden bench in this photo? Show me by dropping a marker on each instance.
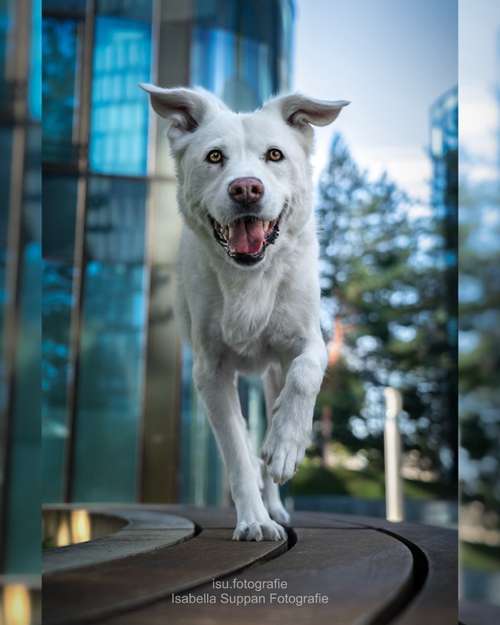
(333, 569)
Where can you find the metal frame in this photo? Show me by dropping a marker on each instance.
(152, 146)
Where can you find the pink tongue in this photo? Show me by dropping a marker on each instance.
(246, 237)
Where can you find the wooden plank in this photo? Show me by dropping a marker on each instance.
(315, 520)
(87, 594)
(152, 515)
(437, 600)
(351, 575)
(144, 530)
(435, 551)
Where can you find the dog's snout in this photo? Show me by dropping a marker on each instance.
(246, 190)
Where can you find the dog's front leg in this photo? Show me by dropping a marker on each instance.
(216, 385)
(273, 383)
(290, 431)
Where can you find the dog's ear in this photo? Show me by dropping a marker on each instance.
(300, 111)
(184, 109)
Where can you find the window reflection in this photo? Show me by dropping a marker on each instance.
(5, 148)
(112, 343)
(23, 547)
(238, 56)
(119, 119)
(20, 263)
(60, 51)
(59, 200)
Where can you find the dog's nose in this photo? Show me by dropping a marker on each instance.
(246, 190)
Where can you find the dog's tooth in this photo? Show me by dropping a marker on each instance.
(265, 225)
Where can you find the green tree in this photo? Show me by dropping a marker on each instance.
(383, 277)
(479, 361)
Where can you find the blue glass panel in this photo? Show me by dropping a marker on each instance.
(5, 164)
(6, 9)
(110, 388)
(64, 6)
(60, 52)
(213, 58)
(59, 201)
(202, 466)
(238, 56)
(119, 118)
(35, 78)
(23, 507)
(23, 545)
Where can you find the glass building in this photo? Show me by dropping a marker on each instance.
(120, 419)
(444, 155)
(444, 201)
(444, 190)
(20, 304)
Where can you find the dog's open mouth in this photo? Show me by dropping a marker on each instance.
(245, 239)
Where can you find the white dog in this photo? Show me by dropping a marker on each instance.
(248, 292)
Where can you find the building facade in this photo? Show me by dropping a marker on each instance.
(444, 192)
(444, 155)
(444, 201)
(20, 269)
(120, 418)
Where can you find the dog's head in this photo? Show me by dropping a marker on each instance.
(244, 178)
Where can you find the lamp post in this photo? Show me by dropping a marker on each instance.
(392, 456)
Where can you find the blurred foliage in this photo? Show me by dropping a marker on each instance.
(345, 394)
(479, 557)
(314, 479)
(479, 361)
(384, 277)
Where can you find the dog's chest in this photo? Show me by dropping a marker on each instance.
(258, 322)
(246, 315)
(244, 322)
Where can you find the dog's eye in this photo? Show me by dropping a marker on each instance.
(214, 156)
(274, 155)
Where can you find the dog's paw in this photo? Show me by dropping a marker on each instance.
(279, 514)
(282, 454)
(253, 530)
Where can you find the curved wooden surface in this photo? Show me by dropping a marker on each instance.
(345, 570)
(143, 531)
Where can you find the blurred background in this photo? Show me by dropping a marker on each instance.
(121, 421)
(479, 265)
(20, 310)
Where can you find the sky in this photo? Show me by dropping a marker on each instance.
(479, 69)
(392, 59)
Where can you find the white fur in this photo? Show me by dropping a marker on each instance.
(263, 318)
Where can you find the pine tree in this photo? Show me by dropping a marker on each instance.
(383, 277)
(480, 336)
